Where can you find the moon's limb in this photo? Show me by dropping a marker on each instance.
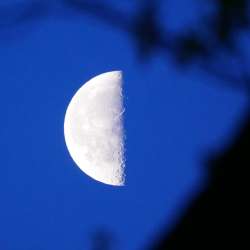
(93, 128)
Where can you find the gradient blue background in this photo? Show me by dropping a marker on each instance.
(173, 120)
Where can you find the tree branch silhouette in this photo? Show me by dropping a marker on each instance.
(213, 207)
(148, 34)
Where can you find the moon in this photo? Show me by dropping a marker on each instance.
(94, 131)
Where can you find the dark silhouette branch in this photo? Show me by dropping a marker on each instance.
(209, 219)
(22, 13)
(148, 34)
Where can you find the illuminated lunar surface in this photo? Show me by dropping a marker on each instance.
(93, 128)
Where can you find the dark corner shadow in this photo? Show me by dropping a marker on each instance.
(216, 219)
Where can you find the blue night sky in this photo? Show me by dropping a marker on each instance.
(173, 120)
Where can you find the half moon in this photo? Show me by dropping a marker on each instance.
(93, 128)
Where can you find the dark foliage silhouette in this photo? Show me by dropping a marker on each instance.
(215, 217)
(190, 48)
(102, 240)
